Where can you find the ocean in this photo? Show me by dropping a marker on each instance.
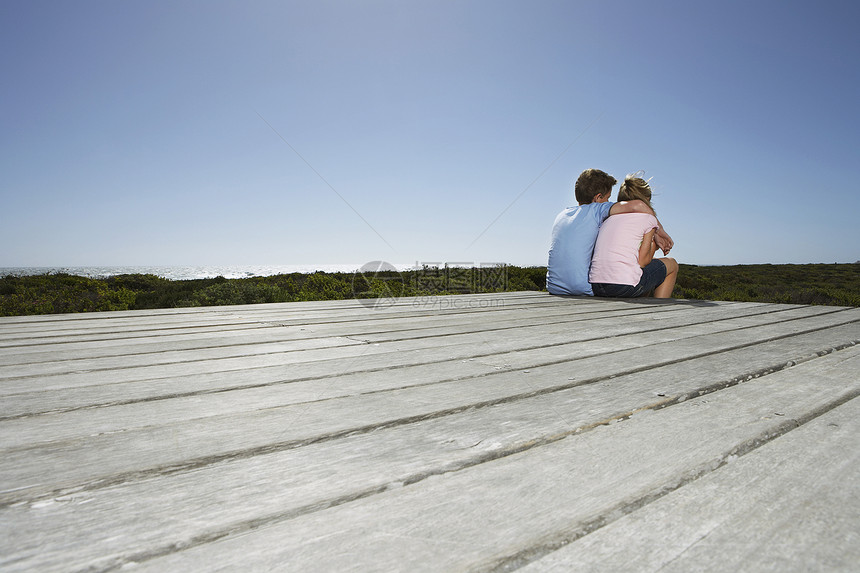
(193, 272)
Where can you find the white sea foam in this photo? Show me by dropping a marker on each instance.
(192, 272)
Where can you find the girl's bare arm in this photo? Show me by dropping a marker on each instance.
(647, 248)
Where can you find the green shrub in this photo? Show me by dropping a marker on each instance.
(836, 284)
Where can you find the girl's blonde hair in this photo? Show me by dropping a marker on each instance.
(635, 187)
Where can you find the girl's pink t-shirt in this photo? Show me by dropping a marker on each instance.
(616, 254)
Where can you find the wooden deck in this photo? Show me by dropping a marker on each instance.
(468, 433)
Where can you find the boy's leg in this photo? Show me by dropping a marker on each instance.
(667, 286)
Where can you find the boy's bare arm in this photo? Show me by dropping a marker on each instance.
(634, 206)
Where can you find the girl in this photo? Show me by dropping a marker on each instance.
(623, 264)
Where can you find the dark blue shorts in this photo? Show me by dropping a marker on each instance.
(653, 276)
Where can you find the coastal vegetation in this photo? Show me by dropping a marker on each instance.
(819, 284)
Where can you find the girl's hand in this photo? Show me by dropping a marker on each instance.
(664, 241)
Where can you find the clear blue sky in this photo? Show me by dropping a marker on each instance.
(138, 133)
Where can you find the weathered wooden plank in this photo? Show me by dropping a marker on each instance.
(319, 311)
(366, 317)
(143, 341)
(642, 351)
(481, 516)
(597, 319)
(165, 356)
(138, 448)
(280, 385)
(138, 462)
(791, 505)
(364, 322)
(371, 322)
(15, 379)
(293, 313)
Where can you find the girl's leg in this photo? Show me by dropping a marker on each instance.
(667, 286)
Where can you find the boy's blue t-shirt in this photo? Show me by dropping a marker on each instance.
(573, 236)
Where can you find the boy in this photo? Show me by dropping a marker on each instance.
(575, 232)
